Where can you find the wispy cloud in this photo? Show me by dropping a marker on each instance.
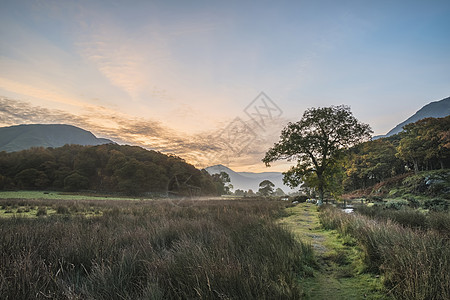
(202, 149)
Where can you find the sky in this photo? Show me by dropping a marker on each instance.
(216, 81)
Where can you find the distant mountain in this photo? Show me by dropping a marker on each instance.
(248, 180)
(21, 137)
(436, 109)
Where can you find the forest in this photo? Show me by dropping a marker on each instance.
(110, 168)
(421, 146)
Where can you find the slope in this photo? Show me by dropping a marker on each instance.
(21, 137)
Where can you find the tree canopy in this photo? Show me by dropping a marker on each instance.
(317, 142)
(266, 187)
(426, 143)
(106, 168)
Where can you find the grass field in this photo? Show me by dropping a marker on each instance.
(217, 249)
(224, 249)
(56, 195)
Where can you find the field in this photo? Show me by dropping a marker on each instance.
(102, 248)
(223, 249)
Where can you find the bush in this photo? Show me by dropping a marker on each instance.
(436, 204)
(42, 211)
(63, 210)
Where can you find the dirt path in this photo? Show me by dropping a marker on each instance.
(338, 275)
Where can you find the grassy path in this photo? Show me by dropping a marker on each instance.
(338, 275)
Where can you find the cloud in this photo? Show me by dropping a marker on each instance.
(202, 150)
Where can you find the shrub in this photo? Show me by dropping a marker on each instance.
(63, 210)
(436, 204)
(42, 211)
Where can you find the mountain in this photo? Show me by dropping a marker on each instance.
(436, 109)
(248, 180)
(21, 137)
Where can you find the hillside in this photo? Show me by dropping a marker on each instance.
(109, 168)
(248, 180)
(21, 137)
(436, 109)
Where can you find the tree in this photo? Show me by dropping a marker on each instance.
(317, 142)
(76, 182)
(223, 183)
(266, 188)
(250, 193)
(425, 143)
(239, 193)
(370, 163)
(32, 178)
(279, 192)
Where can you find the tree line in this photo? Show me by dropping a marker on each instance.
(421, 146)
(334, 151)
(110, 168)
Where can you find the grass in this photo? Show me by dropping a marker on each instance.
(337, 273)
(225, 249)
(414, 263)
(56, 195)
(412, 218)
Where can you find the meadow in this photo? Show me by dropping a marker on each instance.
(410, 249)
(118, 249)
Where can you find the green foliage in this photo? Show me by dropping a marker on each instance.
(42, 211)
(437, 204)
(426, 144)
(266, 188)
(76, 182)
(421, 146)
(105, 168)
(317, 142)
(370, 163)
(31, 179)
(222, 183)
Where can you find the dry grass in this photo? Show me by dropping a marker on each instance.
(151, 250)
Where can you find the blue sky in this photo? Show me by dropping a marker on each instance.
(172, 75)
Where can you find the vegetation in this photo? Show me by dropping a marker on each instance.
(317, 142)
(426, 144)
(105, 168)
(338, 273)
(414, 263)
(150, 250)
(266, 188)
(222, 182)
(422, 146)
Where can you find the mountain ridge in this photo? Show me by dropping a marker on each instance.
(24, 136)
(249, 180)
(435, 109)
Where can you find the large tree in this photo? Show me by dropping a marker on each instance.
(317, 142)
(266, 188)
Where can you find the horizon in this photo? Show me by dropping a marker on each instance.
(213, 82)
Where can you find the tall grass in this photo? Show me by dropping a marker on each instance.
(415, 263)
(408, 217)
(152, 250)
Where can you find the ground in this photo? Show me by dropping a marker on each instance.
(340, 272)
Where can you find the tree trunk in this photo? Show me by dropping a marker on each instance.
(416, 166)
(320, 187)
(320, 196)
